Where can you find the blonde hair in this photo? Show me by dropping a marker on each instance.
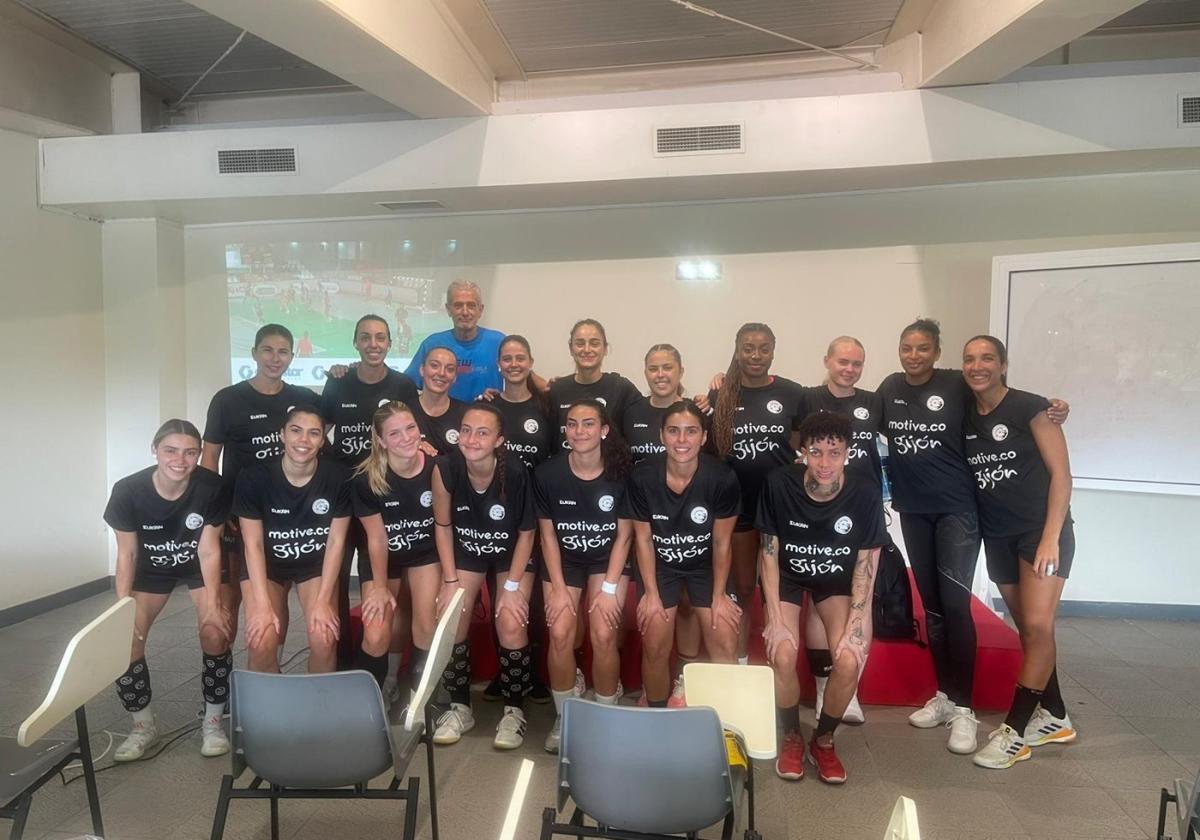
(844, 339)
(375, 466)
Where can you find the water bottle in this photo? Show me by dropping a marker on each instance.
(882, 448)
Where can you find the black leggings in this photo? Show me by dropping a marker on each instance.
(942, 549)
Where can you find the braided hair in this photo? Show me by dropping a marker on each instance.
(730, 392)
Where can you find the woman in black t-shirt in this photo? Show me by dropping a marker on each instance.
(588, 344)
(392, 493)
(483, 512)
(822, 530)
(167, 520)
(438, 414)
(754, 422)
(293, 512)
(529, 432)
(1023, 483)
(579, 498)
(684, 505)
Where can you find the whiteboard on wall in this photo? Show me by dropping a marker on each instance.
(1116, 333)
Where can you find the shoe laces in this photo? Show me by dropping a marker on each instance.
(513, 720)
(1006, 735)
(965, 716)
(450, 717)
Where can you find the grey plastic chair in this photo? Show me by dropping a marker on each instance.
(1186, 797)
(644, 774)
(95, 657)
(325, 736)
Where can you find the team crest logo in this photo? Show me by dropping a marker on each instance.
(843, 525)
(193, 521)
(384, 402)
(999, 432)
(862, 414)
(699, 515)
(289, 408)
(427, 498)
(320, 506)
(935, 403)
(602, 401)
(606, 503)
(531, 426)
(497, 512)
(452, 436)
(775, 407)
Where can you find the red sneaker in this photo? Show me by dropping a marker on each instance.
(790, 763)
(829, 766)
(678, 699)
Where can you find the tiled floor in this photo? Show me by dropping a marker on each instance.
(1133, 688)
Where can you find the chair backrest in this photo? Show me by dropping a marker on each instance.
(95, 657)
(650, 770)
(309, 730)
(516, 801)
(903, 824)
(744, 698)
(439, 656)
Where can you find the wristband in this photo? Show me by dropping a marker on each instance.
(452, 580)
(512, 585)
(442, 524)
(608, 588)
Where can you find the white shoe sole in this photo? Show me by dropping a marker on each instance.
(447, 740)
(1019, 757)
(214, 750)
(927, 724)
(1056, 738)
(124, 757)
(964, 750)
(508, 745)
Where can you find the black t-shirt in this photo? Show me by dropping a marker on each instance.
(528, 433)
(349, 404)
(613, 391)
(924, 426)
(584, 513)
(249, 425)
(168, 532)
(295, 520)
(406, 510)
(643, 429)
(820, 540)
(1012, 482)
(441, 431)
(485, 526)
(681, 525)
(865, 410)
(762, 427)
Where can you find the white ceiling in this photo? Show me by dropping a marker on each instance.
(557, 35)
(1172, 13)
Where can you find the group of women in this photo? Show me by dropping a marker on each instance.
(586, 486)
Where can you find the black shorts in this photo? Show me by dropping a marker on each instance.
(698, 583)
(158, 582)
(576, 574)
(289, 573)
(232, 551)
(501, 563)
(396, 565)
(1005, 553)
(792, 588)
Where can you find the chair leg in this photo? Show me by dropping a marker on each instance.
(410, 808)
(1165, 796)
(433, 813)
(750, 794)
(19, 817)
(548, 816)
(218, 829)
(274, 812)
(89, 771)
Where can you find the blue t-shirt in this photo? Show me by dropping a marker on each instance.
(477, 362)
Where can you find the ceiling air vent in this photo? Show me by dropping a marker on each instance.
(1189, 109)
(256, 161)
(698, 140)
(415, 206)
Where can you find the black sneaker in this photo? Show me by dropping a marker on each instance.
(540, 693)
(492, 693)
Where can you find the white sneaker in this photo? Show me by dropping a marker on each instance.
(1003, 749)
(854, 713)
(390, 691)
(1045, 728)
(580, 683)
(143, 736)
(453, 724)
(510, 732)
(963, 728)
(678, 698)
(936, 711)
(555, 736)
(213, 741)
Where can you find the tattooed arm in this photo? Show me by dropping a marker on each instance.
(857, 637)
(775, 630)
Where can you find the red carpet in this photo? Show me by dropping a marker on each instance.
(897, 673)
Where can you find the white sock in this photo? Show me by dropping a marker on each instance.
(561, 697)
(744, 660)
(212, 710)
(394, 660)
(606, 699)
(144, 716)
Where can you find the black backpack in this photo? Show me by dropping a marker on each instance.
(892, 610)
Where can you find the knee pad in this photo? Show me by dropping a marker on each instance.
(820, 662)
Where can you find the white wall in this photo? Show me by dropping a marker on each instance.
(53, 484)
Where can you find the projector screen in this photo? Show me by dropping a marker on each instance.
(1116, 333)
(319, 290)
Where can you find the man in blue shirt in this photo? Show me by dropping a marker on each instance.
(476, 347)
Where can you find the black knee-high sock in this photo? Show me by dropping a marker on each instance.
(827, 725)
(788, 718)
(1052, 699)
(456, 679)
(1024, 702)
(133, 687)
(214, 680)
(820, 661)
(376, 666)
(417, 662)
(514, 674)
